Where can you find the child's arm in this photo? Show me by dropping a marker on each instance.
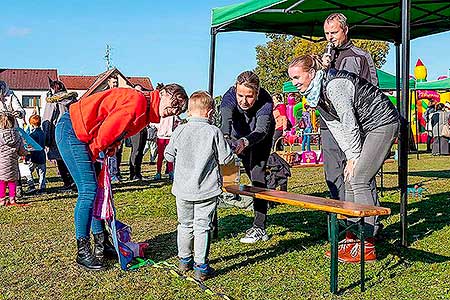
(170, 151)
(224, 152)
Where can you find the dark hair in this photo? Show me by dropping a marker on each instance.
(56, 85)
(440, 106)
(179, 98)
(248, 79)
(113, 76)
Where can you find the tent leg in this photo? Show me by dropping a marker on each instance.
(212, 56)
(404, 126)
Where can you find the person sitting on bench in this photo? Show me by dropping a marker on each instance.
(364, 123)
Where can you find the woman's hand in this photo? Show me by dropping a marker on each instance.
(111, 150)
(349, 170)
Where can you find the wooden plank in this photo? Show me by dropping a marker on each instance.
(311, 202)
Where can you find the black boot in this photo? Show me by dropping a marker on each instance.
(103, 247)
(85, 258)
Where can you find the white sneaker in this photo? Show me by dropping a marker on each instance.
(253, 235)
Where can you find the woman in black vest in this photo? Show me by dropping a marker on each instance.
(364, 123)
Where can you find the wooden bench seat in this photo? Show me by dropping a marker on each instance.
(310, 202)
(334, 208)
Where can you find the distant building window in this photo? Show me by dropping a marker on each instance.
(31, 101)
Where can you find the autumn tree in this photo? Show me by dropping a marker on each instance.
(273, 57)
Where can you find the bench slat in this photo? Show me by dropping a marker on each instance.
(311, 202)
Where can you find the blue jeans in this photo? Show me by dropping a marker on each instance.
(306, 140)
(78, 160)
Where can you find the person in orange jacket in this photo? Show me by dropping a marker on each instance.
(96, 124)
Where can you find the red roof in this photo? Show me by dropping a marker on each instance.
(28, 79)
(142, 81)
(73, 82)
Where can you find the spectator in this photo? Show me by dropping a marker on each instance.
(37, 159)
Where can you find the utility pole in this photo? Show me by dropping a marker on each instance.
(108, 57)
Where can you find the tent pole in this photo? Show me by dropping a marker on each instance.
(404, 122)
(397, 73)
(212, 54)
(212, 57)
(417, 123)
(397, 88)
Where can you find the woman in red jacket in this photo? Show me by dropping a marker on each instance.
(97, 124)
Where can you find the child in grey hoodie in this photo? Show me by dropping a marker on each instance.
(197, 148)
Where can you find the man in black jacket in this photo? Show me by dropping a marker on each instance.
(247, 120)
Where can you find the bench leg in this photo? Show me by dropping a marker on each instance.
(362, 238)
(334, 236)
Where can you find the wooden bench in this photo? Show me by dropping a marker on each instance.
(332, 207)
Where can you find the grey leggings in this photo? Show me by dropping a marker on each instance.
(375, 148)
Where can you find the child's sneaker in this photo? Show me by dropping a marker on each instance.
(203, 272)
(157, 176)
(2, 202)
(186, 264)
(254, 235)
(171, 175)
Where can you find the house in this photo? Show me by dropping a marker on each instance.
(31, 85)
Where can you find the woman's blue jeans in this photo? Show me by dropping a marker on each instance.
(306, 140)
(78, 160)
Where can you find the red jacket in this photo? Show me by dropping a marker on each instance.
(107, 117)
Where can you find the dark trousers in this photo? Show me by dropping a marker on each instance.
(276, 140)
(137, 153)
(119, 158)
(64, 172)
(255, 164)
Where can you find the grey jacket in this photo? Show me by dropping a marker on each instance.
(11, 147)
(197, 148)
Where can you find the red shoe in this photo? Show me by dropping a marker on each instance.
(344, 245)
(354, 254)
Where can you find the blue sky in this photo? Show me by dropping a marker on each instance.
(165, 40)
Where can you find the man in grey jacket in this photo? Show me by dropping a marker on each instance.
(348, 57)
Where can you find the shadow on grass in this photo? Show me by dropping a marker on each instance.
(424, 173)
(162, 247)
(424, 217)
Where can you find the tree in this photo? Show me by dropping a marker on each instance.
(273, 57)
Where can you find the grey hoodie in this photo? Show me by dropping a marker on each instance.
(197, 148)
(11, 147)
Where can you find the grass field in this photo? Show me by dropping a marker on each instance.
(37, 248)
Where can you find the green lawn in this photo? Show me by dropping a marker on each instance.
(37, 246)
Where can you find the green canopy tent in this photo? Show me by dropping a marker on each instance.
(389, 20)
(440, 85)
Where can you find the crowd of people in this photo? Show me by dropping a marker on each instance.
(358, 127)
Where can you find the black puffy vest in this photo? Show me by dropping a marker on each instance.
(371, 107)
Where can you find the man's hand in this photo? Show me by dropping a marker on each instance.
(349, 170)
(240, 145)
(326, 60)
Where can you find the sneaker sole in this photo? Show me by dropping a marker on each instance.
(263, 239)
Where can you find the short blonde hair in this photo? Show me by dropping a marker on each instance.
(200, 101)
